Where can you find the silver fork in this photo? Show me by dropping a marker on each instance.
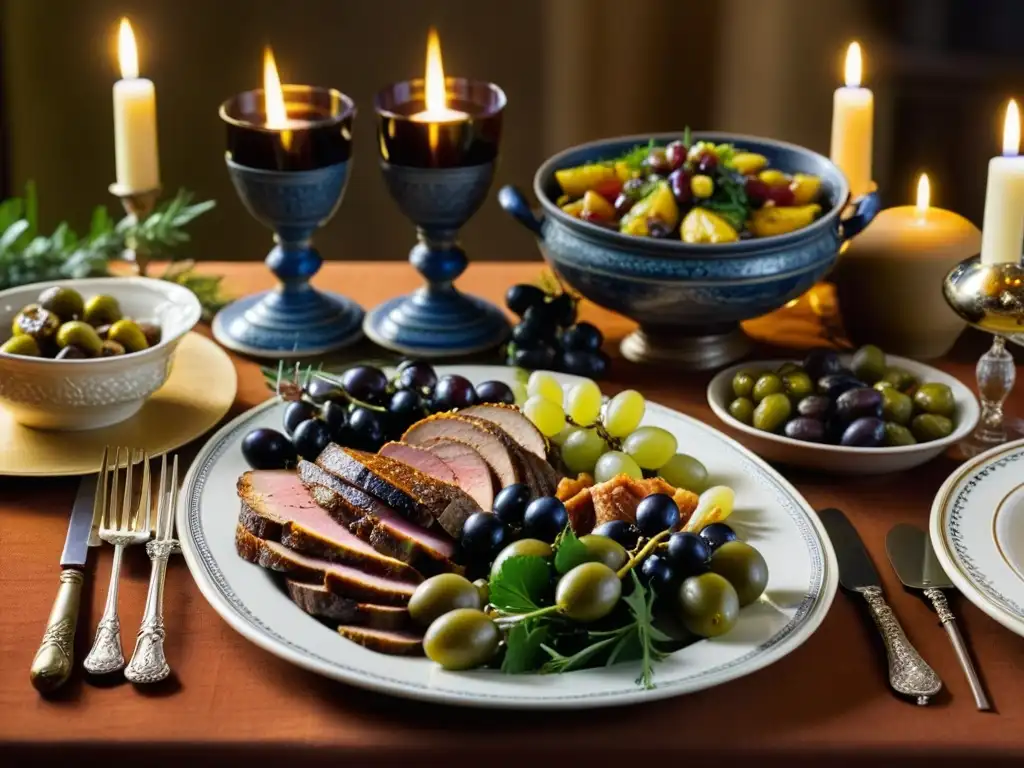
(149, 663)
(121, 527)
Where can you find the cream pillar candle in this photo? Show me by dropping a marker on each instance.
(1002, 231)
(853, 113)
(135, 147)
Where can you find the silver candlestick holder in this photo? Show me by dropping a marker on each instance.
(139, 205)
(990, 297)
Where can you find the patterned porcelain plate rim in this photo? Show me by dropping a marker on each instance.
(770, 513)
(977, 530)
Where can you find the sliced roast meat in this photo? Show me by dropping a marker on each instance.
(316, 600)
(421, 459)
(403, 488)
(514, 422)
(383, 641)
(377, 524)
(338, 579)
(276, 506)
(547, 476)
(471, 471)
(491, 442)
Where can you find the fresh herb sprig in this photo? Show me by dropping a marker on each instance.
(634, 158)
(729, 199)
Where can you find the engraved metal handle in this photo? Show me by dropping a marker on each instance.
(948, 620)
(149, 664)
(106, 655)
(51, 666)
(909, 674)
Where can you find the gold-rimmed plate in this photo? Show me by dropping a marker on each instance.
(977, 529)
(199, 391)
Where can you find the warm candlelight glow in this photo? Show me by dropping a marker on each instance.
(435, 94)
(924, 194)
(854, 65)
(1011, 130)
(127, 52)
(277, 115)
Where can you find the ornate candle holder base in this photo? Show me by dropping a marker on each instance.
(991, 298)
(139, 205)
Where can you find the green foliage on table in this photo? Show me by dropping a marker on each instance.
(29, 256)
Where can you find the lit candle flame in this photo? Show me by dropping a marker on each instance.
(1011, 130)
(435, 94)
(924, 194)
(854, 65)
(273, 95)
(127, 52)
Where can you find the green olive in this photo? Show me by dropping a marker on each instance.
(797, 384)
(80, 334)
(521, 547)
(101, 310)
(880, 385)
(868, 364)
(708, 604)
(588, 592)
(128, 335)
(931, 426)
(71, 352)
(484, 588)
(462, 639)
(743, 384)
(34, 321)
(766, 384)
(935, 398)
(66, 303)
(789, 368)
(742, 409)
(897, 434)
(896, 406)
(772, 412)
(900, 378)
(151, 331)
(112, 349)
(605, 550)
(21, 345)
(439, 595)
(744, 567)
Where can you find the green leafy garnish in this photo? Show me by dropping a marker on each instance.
(641, 604)
(634, 159)
(569, 551)
(523, 651)
(687, 137)
(519, 584)
(729, 200)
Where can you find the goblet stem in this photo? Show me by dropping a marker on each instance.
(996, 373)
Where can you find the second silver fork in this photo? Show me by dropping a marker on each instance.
(121, 526)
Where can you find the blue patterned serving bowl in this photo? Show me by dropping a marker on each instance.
(689, 299)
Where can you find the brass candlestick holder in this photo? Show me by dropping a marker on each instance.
(991, 298)
(139, 205)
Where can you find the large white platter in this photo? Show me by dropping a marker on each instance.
(977, 529)
(769, 513)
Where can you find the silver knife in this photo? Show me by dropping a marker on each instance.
(909, 674)
(913, 558)
(52, 663)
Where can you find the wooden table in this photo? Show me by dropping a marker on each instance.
(826, 704)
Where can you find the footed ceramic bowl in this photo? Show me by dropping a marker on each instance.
(689, 299)
(88, 394)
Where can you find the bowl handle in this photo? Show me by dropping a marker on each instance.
(514, 202)
(864, 211)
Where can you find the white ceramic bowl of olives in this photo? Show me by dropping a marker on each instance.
(84, 354)
(852, 414)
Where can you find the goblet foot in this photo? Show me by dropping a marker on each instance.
(984, 439)
(686, 349)
(283, 324)
(436, 322)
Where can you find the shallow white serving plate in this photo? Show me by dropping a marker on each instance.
(769, 513)
(977, 529)
(840, 459)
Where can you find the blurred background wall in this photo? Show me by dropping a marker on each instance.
(573, 70)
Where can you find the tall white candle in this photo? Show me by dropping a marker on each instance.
(135, 148)
(1002, 231)
(853, 114)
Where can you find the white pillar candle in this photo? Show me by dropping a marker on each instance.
(853, 114)
(1002, 231)
(135, 147)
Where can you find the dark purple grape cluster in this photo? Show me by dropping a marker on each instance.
(363, 409)
(548, 336)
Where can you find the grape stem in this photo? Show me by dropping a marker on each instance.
(643, 553)
(507, 621)
(613, 442)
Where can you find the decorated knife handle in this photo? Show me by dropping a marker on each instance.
(149, 663)
(956, 639)
(909, 674)
(51, 666)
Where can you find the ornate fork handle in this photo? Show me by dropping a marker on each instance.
(909, 674)
(149, 664)
(106, 655)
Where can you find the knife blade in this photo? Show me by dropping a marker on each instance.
(913, 558)
(52, 663)
(909, 674)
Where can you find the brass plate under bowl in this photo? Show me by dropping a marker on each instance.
(200, 390)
